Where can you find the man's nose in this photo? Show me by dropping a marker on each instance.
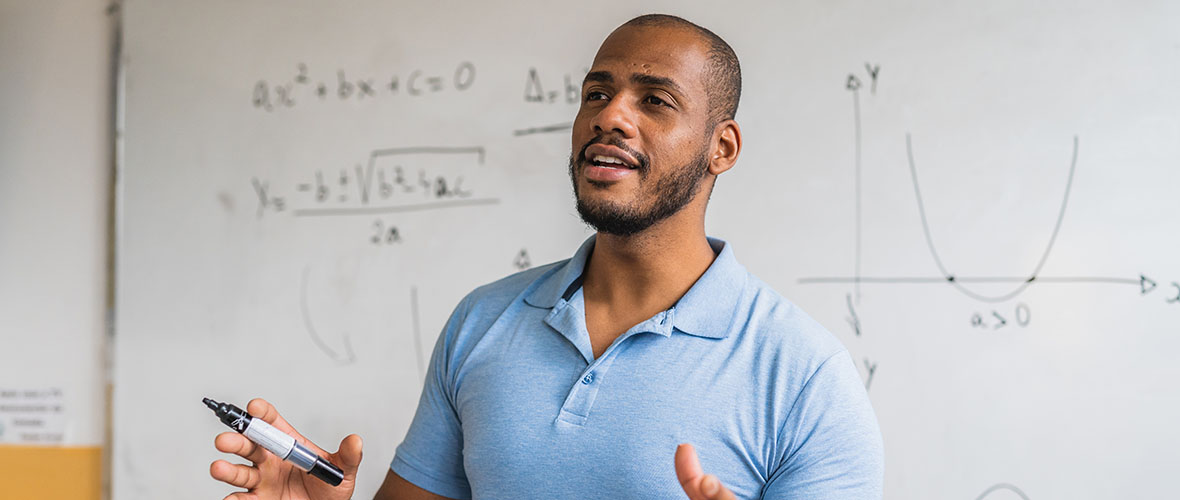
(617, 116)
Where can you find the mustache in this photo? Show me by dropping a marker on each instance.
(640, 158)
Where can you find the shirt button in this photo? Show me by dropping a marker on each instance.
(588, 379)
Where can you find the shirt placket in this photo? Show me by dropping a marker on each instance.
(580, 399)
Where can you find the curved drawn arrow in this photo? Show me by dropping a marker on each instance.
(349, 356)
(1002, 486)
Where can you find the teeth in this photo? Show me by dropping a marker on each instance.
(608, 159)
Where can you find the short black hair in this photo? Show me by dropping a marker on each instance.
(723, 74)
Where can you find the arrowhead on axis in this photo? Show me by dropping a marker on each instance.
(1146, 285)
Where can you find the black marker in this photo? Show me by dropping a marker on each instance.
(278, 442)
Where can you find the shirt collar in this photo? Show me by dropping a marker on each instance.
(706, 310)
(555, 284)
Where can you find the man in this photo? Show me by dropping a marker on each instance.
(579, 379)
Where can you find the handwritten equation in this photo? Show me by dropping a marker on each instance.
(302, 86)
(995, 319)
(393, 180)
(552, 90)
(549, 89)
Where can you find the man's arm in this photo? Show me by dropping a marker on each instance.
(397, 488)
(429, 461)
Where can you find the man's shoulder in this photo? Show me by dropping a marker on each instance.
(774, 320)
(499, 294)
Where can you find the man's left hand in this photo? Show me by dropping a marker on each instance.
(697, 484)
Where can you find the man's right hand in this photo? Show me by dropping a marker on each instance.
(271, 478)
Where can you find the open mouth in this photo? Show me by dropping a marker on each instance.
(611, 156)
(610, 162)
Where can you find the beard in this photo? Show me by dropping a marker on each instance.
(671, 193)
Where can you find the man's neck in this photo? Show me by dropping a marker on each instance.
(646, 272)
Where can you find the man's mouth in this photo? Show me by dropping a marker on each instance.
(609, 162)
(610, 156)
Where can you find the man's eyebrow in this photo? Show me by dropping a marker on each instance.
(656, 81)
(599, 76)
(636, 78)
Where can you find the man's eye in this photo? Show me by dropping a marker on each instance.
(651, 99)
(595, 96)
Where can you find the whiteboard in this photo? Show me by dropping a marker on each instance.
(989, 223)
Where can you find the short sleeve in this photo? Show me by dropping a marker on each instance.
(431, 456)
(833, 443)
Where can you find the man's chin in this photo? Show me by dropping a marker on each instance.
(610, 218)
(605, 203)
(615, 195)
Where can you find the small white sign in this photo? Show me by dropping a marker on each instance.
(32, 416)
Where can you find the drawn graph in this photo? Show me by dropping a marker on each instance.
(962, 283)
(946, 275)
(1004, 286)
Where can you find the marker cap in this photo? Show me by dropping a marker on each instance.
(327, 472)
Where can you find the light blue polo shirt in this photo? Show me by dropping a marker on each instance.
(515, 406)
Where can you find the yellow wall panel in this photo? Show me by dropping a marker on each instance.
(50, 473)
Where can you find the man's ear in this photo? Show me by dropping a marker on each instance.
(727, 145)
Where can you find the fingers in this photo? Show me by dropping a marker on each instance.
(688, 466)
(261, 408)
(242, 476)
(232, 442)
(241, 495)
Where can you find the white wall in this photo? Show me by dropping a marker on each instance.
(55, 186)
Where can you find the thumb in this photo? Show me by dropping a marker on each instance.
(349, 455)
(714, 490)
(696, 484)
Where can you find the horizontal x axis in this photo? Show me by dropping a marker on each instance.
(976, 279)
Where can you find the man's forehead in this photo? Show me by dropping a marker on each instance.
(667, 51)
